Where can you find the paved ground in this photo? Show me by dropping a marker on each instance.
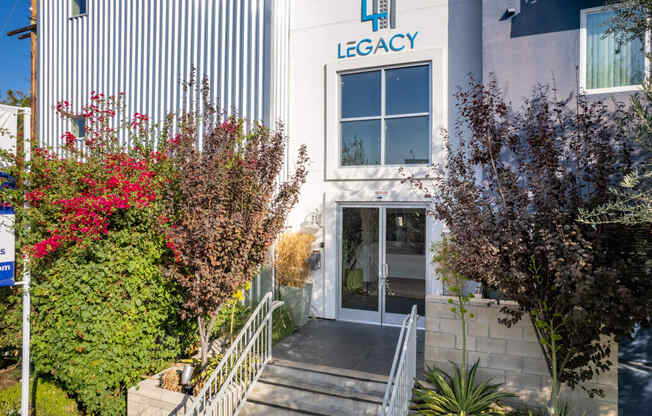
(368, 348)
(635, 375)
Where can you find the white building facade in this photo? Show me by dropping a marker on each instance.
(366, 84)
(371, 90)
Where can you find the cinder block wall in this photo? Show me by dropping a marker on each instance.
(507, 355)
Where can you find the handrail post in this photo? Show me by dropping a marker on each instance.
(403, 373)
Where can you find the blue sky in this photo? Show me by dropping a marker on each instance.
(14, 53)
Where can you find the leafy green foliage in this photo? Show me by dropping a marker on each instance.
(282, 324)
(231, 318)
(103, 312)
(50, 400)
(10, 325)
(106, 316)
(458, 395)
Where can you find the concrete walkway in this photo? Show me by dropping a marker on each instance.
(635, 374)
(337, 344)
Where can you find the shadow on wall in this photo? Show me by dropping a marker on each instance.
(465, 38)
(544, 16)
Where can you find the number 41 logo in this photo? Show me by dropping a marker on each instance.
(375, 18)
(384, 12)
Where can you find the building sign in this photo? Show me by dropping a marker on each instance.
(383, 16)
(7, 237)
(7, 247)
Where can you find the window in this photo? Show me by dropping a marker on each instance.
(385, 117)
(78, 128)
(78, 7)
(606, 64)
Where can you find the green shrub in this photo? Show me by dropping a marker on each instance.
(50, 400)
(10, 324)
(232, 310)
(106, 315)
(282, 324)
(460, 394)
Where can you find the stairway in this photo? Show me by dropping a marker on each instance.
(291, 388)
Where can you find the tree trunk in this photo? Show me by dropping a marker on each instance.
(203, 342)
(205, 336)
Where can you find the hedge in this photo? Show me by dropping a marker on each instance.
(50, 400)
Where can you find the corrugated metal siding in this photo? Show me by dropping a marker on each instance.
(147, 47)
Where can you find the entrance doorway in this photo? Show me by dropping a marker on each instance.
(383, 263)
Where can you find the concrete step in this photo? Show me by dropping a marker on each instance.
(343, 383)
(255, 409)
(291, 388)
(308, 401)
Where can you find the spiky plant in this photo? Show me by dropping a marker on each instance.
(458, 395)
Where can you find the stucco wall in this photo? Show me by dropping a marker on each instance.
(507, 355)
(539, 44)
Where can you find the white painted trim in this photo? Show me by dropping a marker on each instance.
(583, 50)
(435, 58)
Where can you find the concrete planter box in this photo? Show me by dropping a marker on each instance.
(297, 300)
(149, 399)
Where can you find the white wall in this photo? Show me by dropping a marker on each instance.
(449, 37)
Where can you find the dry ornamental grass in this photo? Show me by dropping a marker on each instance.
(292, 252)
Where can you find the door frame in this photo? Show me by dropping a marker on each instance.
(379, 317)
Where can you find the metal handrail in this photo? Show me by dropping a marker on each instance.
(227, 388)
(398, 392)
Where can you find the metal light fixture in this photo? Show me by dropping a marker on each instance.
(186, 376)
(510, 12)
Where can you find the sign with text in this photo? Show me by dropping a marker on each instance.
(382, 17)
(7, 247)
(7, 236)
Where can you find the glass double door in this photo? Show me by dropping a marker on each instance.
(383, 263)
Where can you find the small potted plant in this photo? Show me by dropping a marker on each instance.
(292, 273)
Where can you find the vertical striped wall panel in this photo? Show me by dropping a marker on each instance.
(280, 100)
(146, 48)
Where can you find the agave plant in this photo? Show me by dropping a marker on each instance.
(458, 395)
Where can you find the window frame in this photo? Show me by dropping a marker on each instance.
(383, 117)
(77, 125)
(583, 51)
(72, 4)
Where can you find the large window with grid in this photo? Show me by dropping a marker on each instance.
(385, 116)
